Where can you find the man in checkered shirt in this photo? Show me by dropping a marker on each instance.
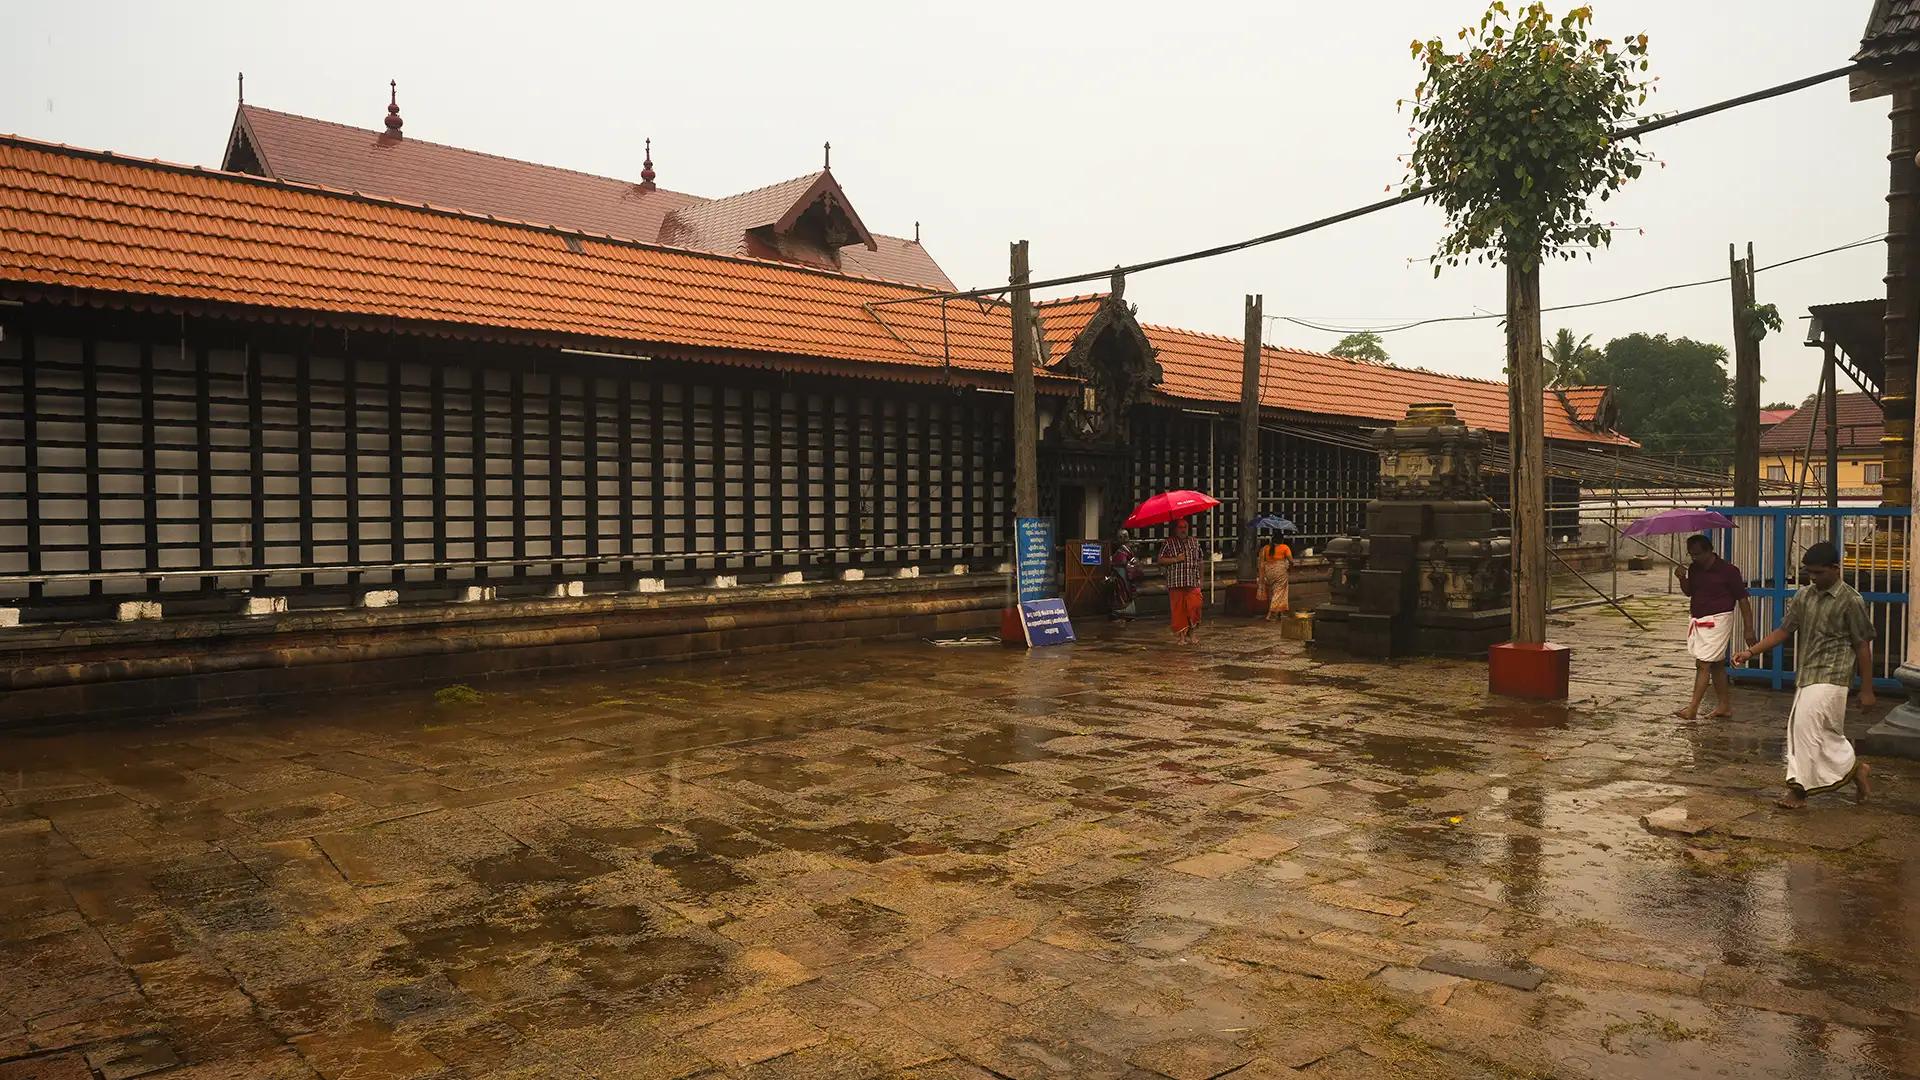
(1183, 560)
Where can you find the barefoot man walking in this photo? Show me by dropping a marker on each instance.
(1716, 587)
(1836, 640)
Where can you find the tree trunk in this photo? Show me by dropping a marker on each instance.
(1528, 446)
(1250, 440)
(1026, 436)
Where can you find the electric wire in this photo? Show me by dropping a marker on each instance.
(1632, 131)
(1482, 316)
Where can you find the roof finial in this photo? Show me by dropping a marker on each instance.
(828, 164)
(916, 232)
(646, 169)
(243, 88)
(393, 107)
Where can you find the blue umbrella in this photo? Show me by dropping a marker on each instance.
(1274, 522)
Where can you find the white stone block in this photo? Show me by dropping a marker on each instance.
(474, 594)
(264, 605)
(137, 610)
(959, 568)
(907, 572)
(379, 598)
(567, 590)
(853, 574)
(9, 616)
(649, 585)
(1004, 568)
(724, 581)
(791, 577)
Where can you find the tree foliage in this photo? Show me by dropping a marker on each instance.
(1365, 345)
(1513, 133)
(1571, 361)
(1673, 393)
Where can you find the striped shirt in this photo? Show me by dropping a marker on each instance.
(1831, 623)
(1184, 574)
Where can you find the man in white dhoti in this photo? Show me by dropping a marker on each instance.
(1718, 590)
(1835, 640)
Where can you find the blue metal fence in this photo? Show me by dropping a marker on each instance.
(1767, 544)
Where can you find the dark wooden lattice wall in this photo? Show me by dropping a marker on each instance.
(323, 459)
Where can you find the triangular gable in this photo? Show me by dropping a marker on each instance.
(825, 190)
(244, 152)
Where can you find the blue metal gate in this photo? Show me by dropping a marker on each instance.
(1767, 543)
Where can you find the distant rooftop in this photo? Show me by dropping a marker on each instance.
(815, 225)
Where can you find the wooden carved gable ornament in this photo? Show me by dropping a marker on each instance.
(1115, 364)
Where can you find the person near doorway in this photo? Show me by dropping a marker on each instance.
(1123, 578)
(1836, 641)
(1276, 562)
(1716, 588)
(1180, 554)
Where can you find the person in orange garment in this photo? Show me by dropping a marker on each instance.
(1181, 556)
(1276, 561)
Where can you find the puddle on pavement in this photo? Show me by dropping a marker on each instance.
(698, 872)
(1554, 849)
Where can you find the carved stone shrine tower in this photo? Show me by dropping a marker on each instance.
(1429, 577)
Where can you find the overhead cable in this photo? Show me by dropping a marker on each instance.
(1482, 316)
(1631, 131)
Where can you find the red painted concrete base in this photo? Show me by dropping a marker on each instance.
(1244, 599)
(1529, 671)
(1013, 632)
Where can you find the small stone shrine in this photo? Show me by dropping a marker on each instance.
(1429, 577)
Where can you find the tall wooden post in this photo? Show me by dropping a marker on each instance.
(1026, 436)
(1746, 384)
(1528, 445)
(1831, 392)
(1898, 326)
(1250, 438)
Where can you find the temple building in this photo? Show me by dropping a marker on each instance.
(360, 396)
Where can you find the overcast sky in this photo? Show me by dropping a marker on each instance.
(1102, 132)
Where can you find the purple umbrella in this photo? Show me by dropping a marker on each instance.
(1678, 521)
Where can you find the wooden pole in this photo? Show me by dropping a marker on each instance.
(1250, 438)
(1026, 437)
(1746, 385)
(1528, 445)
(1828, 379)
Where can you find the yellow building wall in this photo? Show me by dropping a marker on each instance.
(1853, 471)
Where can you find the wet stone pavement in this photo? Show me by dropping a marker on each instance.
(1118, 859)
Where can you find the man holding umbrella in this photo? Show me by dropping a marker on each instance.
(1181, 556)
(1715, 588)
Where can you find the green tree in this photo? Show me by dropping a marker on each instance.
(1674, 393)
(1512, 137)
(1571, 361)
(1513, 134)
(1365, 345)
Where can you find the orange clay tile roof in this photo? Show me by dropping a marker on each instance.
(1585, 401)
(320, 152)
(1207, 367)
(1862, 423)
(1062, 320)
(137, 232)
(73, 218)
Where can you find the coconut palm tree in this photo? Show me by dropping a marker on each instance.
(1570, 361)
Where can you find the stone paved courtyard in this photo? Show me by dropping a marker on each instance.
(1117, 859)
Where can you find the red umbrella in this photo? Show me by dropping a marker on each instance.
(1169, 505)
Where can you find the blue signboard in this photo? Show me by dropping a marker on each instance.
(1046, 622)
(1033, 558)
(1092, 553)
